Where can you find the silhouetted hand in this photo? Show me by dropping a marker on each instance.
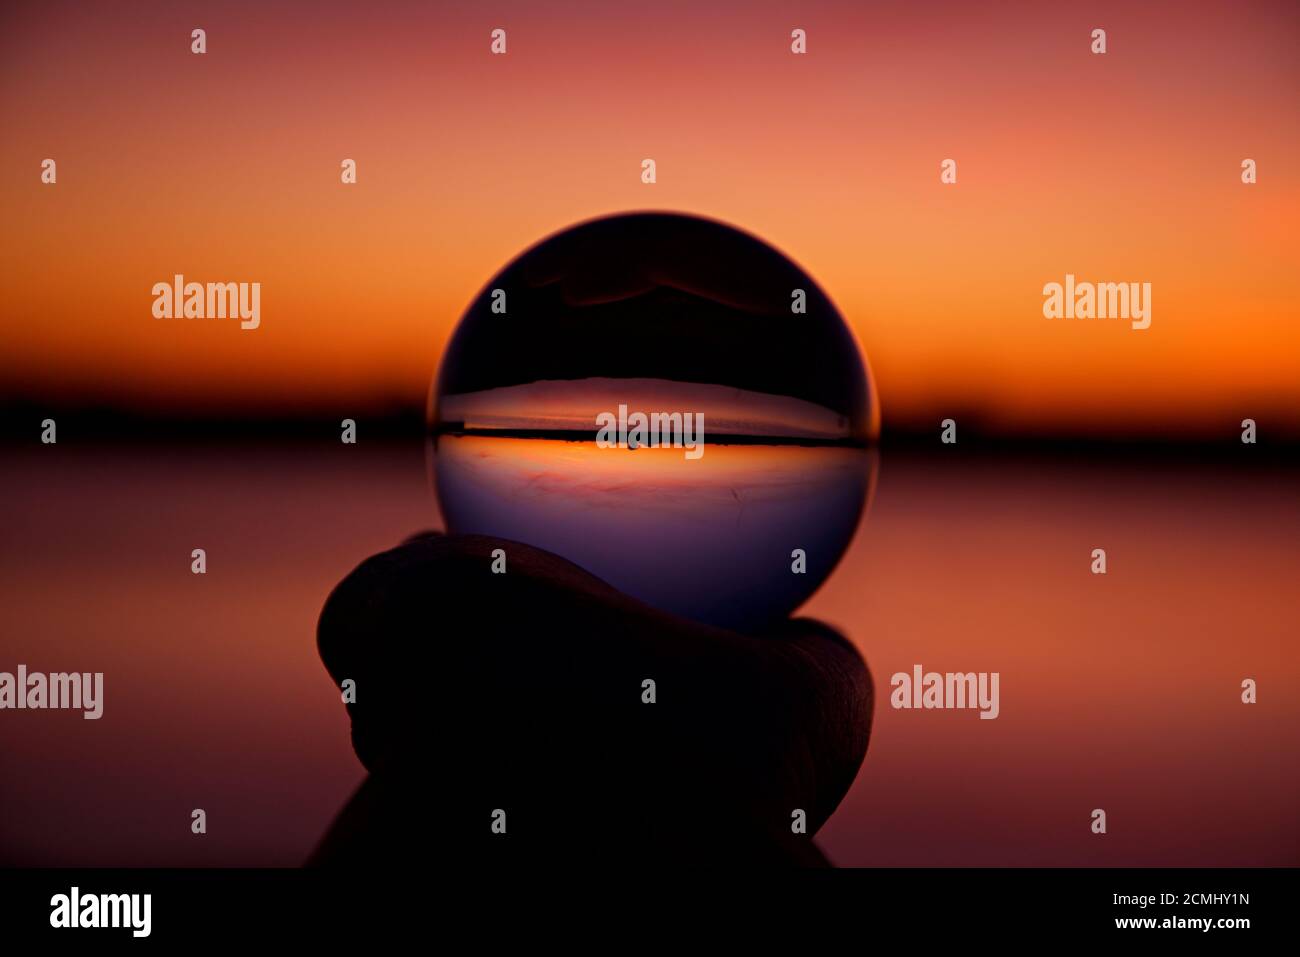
(525, 693)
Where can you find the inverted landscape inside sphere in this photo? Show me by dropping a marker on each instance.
(687, 323)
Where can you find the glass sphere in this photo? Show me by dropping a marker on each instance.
(667, 402)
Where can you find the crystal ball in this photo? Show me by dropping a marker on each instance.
(668, 402)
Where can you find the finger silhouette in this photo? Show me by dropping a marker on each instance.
(541, 712)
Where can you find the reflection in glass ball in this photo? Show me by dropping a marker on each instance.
(669, 403)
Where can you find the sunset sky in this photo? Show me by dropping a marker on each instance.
(225, 167)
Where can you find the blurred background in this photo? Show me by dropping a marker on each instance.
(1120, 692)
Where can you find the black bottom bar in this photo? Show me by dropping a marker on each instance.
(1168, 908)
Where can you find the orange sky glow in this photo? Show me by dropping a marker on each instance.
(225, 167)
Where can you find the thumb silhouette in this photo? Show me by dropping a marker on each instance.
(541, 712)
